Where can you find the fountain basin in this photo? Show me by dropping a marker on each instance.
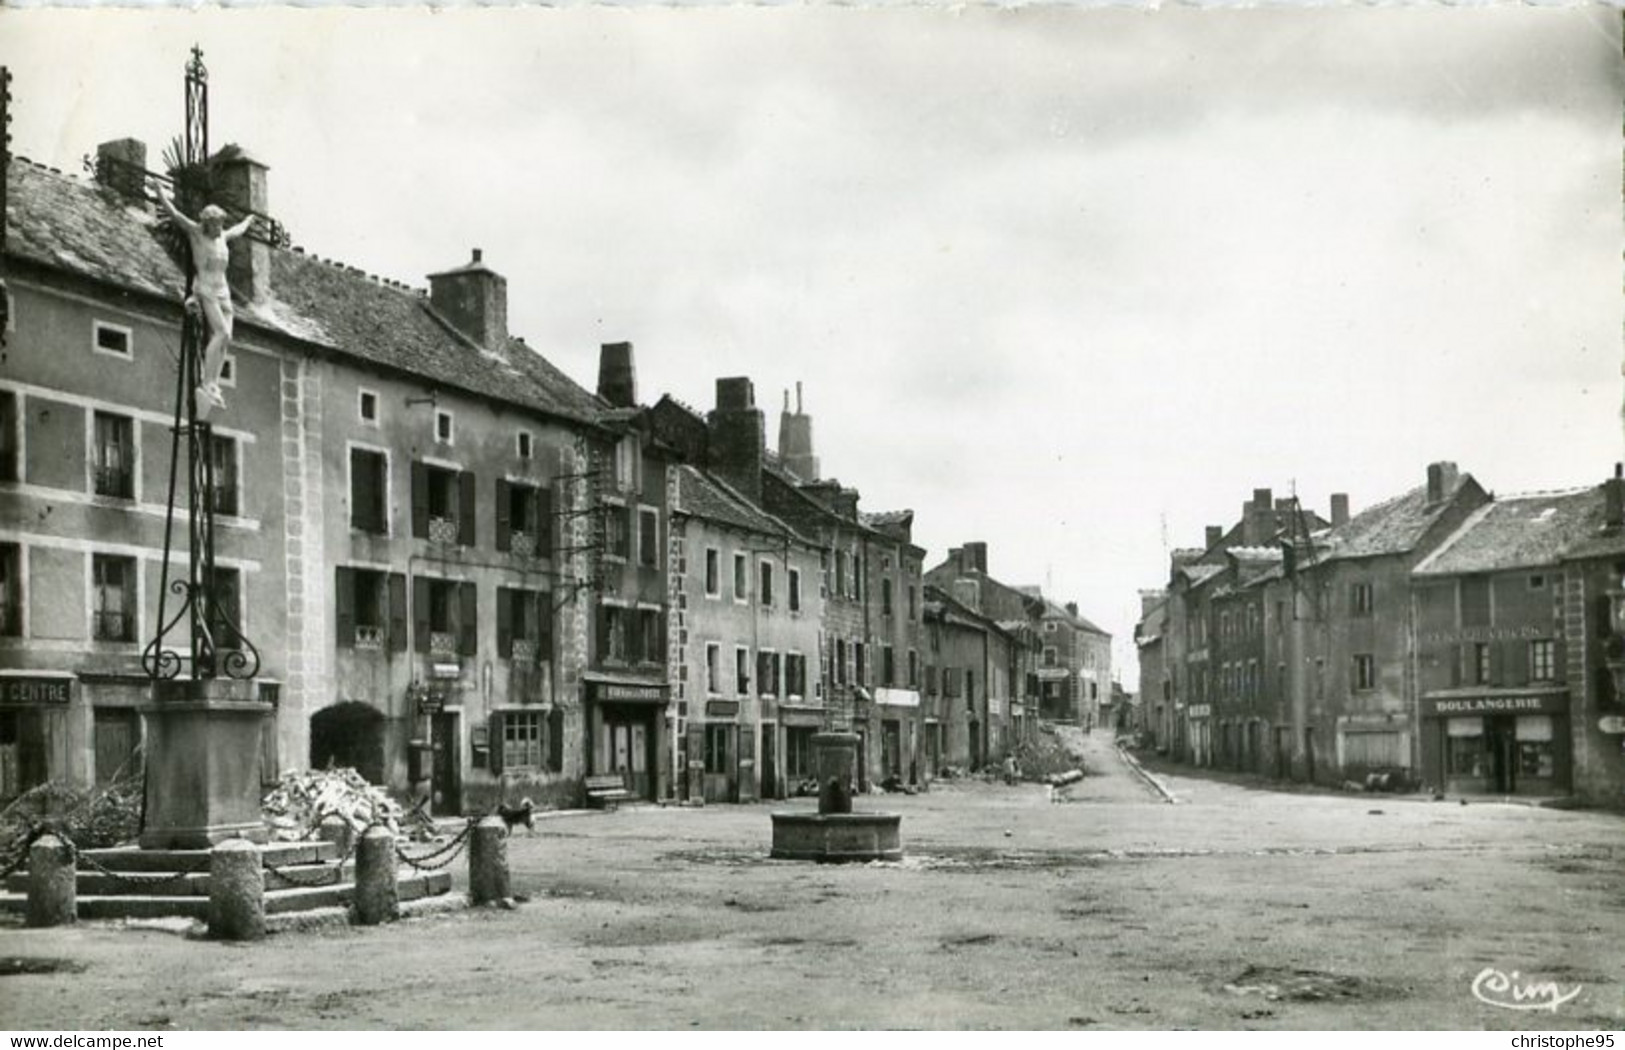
(837, 837)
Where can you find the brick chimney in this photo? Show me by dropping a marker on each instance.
(617, 375)
(240, 185)
(474, 298)
(976, 557)
(738, 443)
(1613, 500)
(1215, 533)
(1340, 508)
(121, 166)
(796, 440)
(1258, 518)
(1441, 481)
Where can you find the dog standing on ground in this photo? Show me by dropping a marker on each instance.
(513, 816)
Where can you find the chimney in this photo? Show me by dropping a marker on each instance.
(956, 560)
(1149, 600)
(617, 375)
(976, 557)
(737, 440)
(1215, 533)
(474, 298)
(1340, 508)
(121, 166)
(1441, 481)
(240, 185)
(1613, 500)
(1263, 499)
(1257, 518)
(1072, 609)
(796, 440)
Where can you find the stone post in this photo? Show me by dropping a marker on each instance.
(376, 897)
(488, 862)
(335, 829)
(236, 891)
(52, 889)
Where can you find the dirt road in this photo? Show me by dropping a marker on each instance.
(1111, 909)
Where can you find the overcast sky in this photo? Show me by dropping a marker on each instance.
(1070, 282)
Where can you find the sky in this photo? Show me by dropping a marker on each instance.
(1069, 282)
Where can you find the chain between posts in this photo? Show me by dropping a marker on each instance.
(454, 848)
(326, 876)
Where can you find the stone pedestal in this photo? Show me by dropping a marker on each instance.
(203, 764)
(835, 833)
(835, 756)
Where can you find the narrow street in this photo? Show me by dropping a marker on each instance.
(1107, 908)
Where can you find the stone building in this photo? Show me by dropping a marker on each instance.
(1591, 611)
(1156, 689)
(975, 670)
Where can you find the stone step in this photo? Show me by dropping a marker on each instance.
(415, 886)
(280, 854)
(193, 884)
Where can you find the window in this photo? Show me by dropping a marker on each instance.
(648, 537)
(1537, 582)
(1475, 602)
(369, 491)
(524, 625)
(1050, 657)
(1365, 671)
(1542, 660)
(443, 504)
(649, 648)
(370, 609)
(522, 444)
(857, 577)
(1537, 756)
(614, 641)
(713, 572)
(767, 673)
(913, 602)
(628, 463)
(618, 531)
(522, 733)
(443, 431)
(446, 615)
(1482, 673)
(112, 598)
(885, 596)
(741, 671)
(113, 339)
(227, 498)
(225, 616)
(114, 460)
(1050, 627)
(795, 675)
(840, 573)
(741, 578)
(840, 661)
(713, 668)
(718, 748)
(888, 666)
(524, 518)
(1464, 747)
(11, 591)
(860, 675)
(10, 458)
(794, 590)
(367, 407)
(1361, 599)
(767, 585)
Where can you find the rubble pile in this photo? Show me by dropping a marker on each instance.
(107, 816)
(296, 807)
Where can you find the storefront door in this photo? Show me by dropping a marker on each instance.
(1500, 743)
(720, 762)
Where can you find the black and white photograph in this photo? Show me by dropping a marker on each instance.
(812, 517)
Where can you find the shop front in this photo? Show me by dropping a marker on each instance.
(1497, 742)
(40, 731)
(1199, 733)
(626, 719)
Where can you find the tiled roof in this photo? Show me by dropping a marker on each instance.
(1201, 572)
(1394, 526)
(886, 517)
(74, 225)
(703, 496)
(1517, 532)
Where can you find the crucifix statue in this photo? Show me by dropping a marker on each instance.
(209, 237)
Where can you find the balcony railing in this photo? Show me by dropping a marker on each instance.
(113, 626)
(443, 530)
(114, 481)
(369, 637)
(522, 544)
(524, 651)
(443, 645)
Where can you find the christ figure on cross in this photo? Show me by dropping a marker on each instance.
(210, 236)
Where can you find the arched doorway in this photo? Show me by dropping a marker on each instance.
(349, 734)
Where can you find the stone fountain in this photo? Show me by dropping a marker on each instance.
(835, 833)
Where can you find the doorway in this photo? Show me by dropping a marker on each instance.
(349, 735)
(1501, 747)
(770, 761)
(719, 764)
(445, 785)
(629, 745)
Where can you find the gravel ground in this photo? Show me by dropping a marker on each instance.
(1096, 906)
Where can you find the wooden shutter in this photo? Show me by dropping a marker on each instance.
(505, 622)
(493, 742)
(555, 740)
(344, 606)
(544, 625)
(397, 612)
(466, 502)
(420, 500)
(361, 499)
(1517, 665)
(544, 523)
(504, 526)
(468, 627)
(420, 613)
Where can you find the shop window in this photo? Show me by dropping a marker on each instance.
(713, 572)
(113, 460)
(523, 739)
(798, 754)
(113, 598)
(1537, 757)
(1542, 660)
(369, 491)
(11, 591)
(1464, 747)
(648, 537)
(227, 497)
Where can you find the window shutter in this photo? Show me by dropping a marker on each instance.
(344, 594)
(1518, 665)
(555, 740)
(420, 613)
(544, 522)
(634, 636)
(505, 599)
(544, 625)
(360, 489)
(420, 500)
(764, 664)
(468, 618)
(493, 742)
(603, 633)
(466, 495)
(397, 612)
(1498, 663)
(504, 526)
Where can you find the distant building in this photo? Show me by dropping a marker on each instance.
(974, 672)
(1156, 687)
